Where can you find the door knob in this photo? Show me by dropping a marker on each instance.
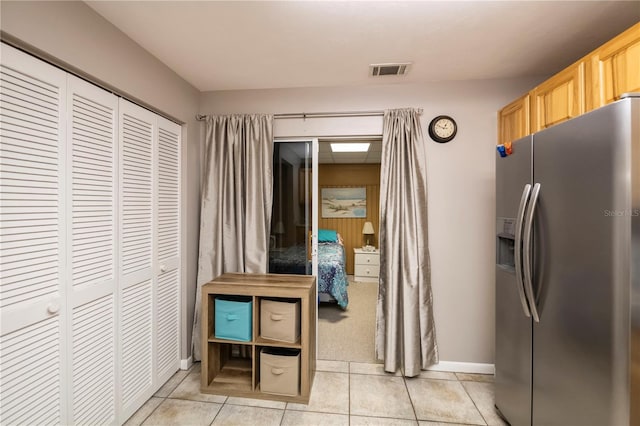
(163, 267)
(53, 308)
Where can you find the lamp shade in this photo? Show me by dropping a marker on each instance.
(367, 229)
(279, 229)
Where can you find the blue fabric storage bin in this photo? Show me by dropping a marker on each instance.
(233, 318)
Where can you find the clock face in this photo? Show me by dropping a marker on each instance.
(442, 129)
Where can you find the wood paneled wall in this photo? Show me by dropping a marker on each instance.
(346, 176)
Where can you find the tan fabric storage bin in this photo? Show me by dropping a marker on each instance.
(280, 371)
(280, 320)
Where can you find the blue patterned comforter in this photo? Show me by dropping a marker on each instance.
(332, 273)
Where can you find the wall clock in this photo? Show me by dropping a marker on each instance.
(442, 129)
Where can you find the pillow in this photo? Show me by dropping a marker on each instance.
(327, 236)
(324, 236)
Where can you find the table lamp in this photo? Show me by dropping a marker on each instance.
(367, 230)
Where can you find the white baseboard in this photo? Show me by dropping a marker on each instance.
(185, 364)
(463, 367)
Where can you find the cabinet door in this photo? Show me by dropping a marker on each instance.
(32, 218)
(513, 120)
(558, 99)
(92, 177)
(168, 248)
(615, 68)
(137, 131)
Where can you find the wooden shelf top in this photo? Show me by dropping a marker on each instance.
(251, 283)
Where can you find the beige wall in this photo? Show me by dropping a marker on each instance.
(461, 179)
(73, 34)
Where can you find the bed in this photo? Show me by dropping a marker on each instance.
(332, 273)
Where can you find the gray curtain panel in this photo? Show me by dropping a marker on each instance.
(405, 330)
(235, 214)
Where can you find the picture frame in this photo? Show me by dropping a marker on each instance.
(344, 202)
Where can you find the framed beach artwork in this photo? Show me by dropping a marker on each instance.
(344, 202)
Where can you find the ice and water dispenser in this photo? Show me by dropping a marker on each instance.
(505, 242)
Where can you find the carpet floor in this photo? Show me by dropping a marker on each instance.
(349, 335)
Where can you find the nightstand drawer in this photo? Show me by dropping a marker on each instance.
(367, 259)
(367, 271)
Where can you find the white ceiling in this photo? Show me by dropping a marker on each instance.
(217, 45)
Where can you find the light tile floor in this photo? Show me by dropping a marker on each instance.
(344, 393)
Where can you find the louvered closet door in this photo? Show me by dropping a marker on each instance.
(137, 130)
(32, 217)
(92, 177)
(168, 248)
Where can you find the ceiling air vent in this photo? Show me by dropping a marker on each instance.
(376, 70)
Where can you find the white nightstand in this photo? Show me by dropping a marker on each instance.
(366, 265)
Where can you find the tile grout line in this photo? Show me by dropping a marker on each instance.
(472, 400)
(218, 412)
(413, 407)
(163, 399)
(349, 395)
(447, 422)
(385, 374)
(152, 411)
(199, 400)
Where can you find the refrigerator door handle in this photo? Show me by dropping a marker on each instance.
(518, 248)
(527, 262)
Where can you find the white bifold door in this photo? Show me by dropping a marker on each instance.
(149, 224)
(33, 218)
(89, 244)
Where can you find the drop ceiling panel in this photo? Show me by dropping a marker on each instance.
(372, 156)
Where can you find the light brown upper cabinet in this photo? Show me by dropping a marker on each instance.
(513, 120)
(599, 78)
(615, 68)
(559, 98)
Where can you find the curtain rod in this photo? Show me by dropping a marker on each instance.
(305, 115)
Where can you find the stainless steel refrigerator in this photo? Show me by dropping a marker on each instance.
(568, 272)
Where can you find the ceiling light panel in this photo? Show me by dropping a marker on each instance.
(350, 147)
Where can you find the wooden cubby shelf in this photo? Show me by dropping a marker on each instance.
(231, 367)
(277, 344)
(233, 342)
